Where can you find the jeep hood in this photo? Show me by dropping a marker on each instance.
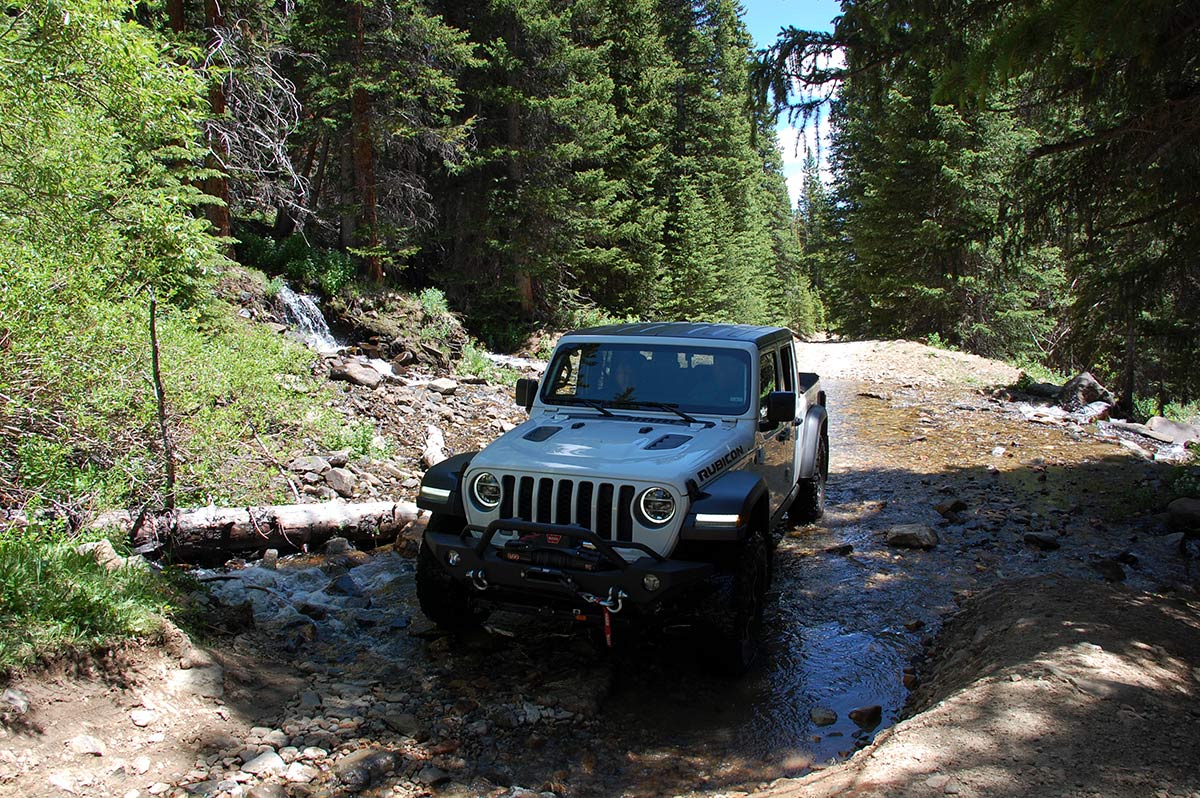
(599, 447)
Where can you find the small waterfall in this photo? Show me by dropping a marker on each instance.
(302, 314)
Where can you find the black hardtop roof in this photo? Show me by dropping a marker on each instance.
(682, 329)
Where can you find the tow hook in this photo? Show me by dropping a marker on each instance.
(614, 603)
(478, 580)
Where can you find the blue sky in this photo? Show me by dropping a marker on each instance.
(764, 19)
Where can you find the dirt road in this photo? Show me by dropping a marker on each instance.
(1069, 668)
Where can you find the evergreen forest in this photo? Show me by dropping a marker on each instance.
(1016, 179)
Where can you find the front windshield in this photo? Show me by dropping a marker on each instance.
(695, 379)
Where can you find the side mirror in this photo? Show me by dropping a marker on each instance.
(526, 393)
(781, 407)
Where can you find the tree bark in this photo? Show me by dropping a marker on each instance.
(214, 533)
(218, 184)
(364, 150)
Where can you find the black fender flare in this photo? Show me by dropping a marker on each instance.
(811, 431)
(734, 494)
(445, 476)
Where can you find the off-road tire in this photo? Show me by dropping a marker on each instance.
(737, 615)
(810, 501)
(444, 601)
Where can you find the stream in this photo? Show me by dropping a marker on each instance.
(532, 703)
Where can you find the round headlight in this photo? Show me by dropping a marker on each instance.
(657, 505)
(486, 489)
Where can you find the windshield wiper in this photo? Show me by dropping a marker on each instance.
(669, 406)
(579, 400)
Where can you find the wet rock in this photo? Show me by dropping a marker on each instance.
(364, 767)
(404, 723)
(1083, 390)
(1184, 514)
(299, 773)
(841, 550)
(341, 480)
(268, 763)
(821, 716)
(1042, 540)
(950, 510)
(267, 791)
(912, 536)
(317, 465)
(87, 745)
(1109, 570)
(1176, 431)
(431, 776)
(345, 585)
(444, 386)
(356, 372)
(1130, 446)
(867, 717)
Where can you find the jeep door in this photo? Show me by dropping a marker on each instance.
(774, 457)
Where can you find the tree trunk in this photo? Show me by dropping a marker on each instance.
(214, 533)
(364, 151)
(1128, 373)
(218, 157)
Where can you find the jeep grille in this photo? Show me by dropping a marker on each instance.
(606, 508)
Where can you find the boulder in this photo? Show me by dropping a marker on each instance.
(1083, 390)
(867, 717)
(1042, 540)
(342, 480)
(912, 536)
(365, 767)
(1184, 514)
(303, 465)
(1174, 431)
(822, 716)
(444, 385)
(268, 763)
(355, 371)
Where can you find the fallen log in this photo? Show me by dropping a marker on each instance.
(214, 533)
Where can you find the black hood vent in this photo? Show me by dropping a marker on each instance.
(541, 433)
(669, 442)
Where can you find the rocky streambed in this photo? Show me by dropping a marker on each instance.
(326, 679)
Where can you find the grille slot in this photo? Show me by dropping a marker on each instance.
(604, 507)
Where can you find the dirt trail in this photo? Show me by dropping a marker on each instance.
(1071, 666)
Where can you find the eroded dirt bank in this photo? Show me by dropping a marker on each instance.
(329, 682)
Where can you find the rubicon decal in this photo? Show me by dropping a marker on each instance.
(716, 466)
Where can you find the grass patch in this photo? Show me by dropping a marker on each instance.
(474, 363)
(56, 599)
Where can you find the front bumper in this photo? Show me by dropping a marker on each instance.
(577, 573)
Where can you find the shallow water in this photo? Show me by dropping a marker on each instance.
(841, 628)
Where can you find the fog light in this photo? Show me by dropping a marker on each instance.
(651, 583)
(453, 558)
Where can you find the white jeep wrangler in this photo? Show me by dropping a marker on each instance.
(657, 461)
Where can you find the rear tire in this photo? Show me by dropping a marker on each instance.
(810, 502)
(738, 614)
(444, 601)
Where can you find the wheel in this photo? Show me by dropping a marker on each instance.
(810, 502)
(444, 601)
(737, 618)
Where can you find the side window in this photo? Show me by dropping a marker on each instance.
(766, 380)
(787, 371)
